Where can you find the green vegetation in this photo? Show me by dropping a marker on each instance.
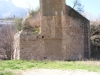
(33, 13)
(18, 24)
(73, 65)
(35, 30)
(6, 73)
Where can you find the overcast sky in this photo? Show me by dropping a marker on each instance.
(90, 6)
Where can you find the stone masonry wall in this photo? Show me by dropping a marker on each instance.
(64, 35)
(51, 28)
(29, 46)
(75, 36)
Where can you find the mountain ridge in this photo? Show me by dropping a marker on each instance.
(8, 9)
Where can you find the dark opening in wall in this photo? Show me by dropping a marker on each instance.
(45, 57)
(42, 36)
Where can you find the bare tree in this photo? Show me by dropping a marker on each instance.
(78, 6)
(95, 38)
(6, 40)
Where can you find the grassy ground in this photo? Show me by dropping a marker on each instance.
(23, 65)
(6, 73)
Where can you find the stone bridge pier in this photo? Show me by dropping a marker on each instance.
(64, 35)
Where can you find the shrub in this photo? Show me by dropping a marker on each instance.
(18, 24)
(95, 40)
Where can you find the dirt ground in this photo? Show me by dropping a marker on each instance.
(57, 72)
